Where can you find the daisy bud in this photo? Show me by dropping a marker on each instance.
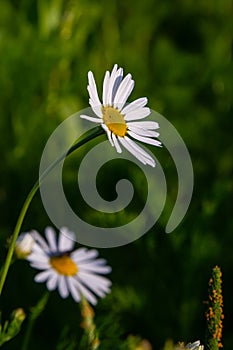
(23, 246)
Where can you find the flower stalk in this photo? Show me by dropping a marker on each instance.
(214, 314)
(35, 313)
(89, 326)
(90, 135)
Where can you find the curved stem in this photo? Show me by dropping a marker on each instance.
(90, 135)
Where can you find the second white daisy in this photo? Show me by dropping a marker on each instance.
(120, 120)
(75, 272)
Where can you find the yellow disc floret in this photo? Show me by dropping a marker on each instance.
(64, 265)
(114, 120)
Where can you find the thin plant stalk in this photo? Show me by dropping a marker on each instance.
(90, 135)
(91, 339)
(35, 313)
(214, 314)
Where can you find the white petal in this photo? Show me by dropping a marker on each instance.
(94, 267)
(109, 134)
(51, 238)
(73, 288)
(116, 143)
(43, 276)
(82, 254)
(137, 151)
(38, 256)
(62, 287)
(114, 70)
(145, 139)
(106, 87)
(86, 293)
(91, 119)
(138, 148)
(40, 241)
(37, 249)
(52, 281)
(40, 265)
(66, 240)
(147, 125)
(193, 346)
(139, 103)
(93, 90)
(139, 113)
(94, 98)
(123, 92)
(115, 80)
(97, 109)
(143, 132)
(132, 150)
(98, 284)
(98, 281)
(35, 257)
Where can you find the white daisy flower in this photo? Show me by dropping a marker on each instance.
(195, 346)
(23, 246)
(74, 272)
(120, 120)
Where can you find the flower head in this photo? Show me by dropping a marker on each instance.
(195, 346)
(191, 346)
(120, 120)
(74, 272)
(24, 245)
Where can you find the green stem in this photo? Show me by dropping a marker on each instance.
(35, 313)
(90, 135)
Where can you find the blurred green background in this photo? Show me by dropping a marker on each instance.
(180, 55)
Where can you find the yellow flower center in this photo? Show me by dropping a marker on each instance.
(114, 120)
(64, 265)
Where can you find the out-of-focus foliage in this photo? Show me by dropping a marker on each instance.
(11, 328)
(180, 55)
